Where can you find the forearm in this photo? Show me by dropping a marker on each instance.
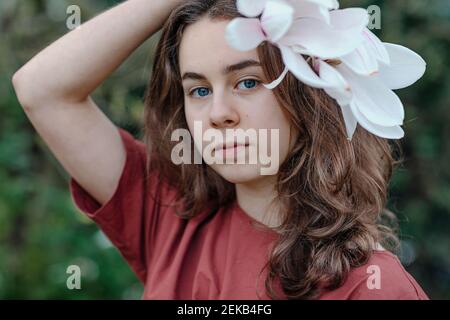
(73, 66)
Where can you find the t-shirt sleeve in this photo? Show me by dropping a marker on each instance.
(382, 278)
(130, 217)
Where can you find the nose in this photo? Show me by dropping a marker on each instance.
(223, 114)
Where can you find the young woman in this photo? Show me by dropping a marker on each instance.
(217, 231)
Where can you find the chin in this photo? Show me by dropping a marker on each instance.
(238, 173)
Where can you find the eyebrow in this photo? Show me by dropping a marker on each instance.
(229, 69)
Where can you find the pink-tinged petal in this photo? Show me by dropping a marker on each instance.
(392, 132)
(350, 18)
(374, 45)
(349, 120)
(361, 61)
(305, 9)
(329, 4)
(322, 40)
(406, 67)
(277, 18)
(300, 49)
(277, 81)
(340, 89)
(374, 99)
(301, 69)
(244, 34)
(251, 8)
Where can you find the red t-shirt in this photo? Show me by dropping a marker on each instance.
(211, 256)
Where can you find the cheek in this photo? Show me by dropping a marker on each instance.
(268, 113)
(275, 117)
(267, 103)
(191, 117)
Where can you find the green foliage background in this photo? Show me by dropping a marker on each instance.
(42, 233)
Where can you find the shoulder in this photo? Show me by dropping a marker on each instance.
(383, 277)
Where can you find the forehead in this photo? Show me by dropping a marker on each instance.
(204, 48)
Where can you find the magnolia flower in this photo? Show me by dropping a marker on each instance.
(349, 62)
(298, 27)
(363, 82)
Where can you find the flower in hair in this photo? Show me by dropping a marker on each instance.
(332, 49)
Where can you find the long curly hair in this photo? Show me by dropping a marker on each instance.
(333, 191)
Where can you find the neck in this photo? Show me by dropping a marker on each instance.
(256, 197)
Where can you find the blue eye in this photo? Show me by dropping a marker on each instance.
(249, 83)
(203, 91)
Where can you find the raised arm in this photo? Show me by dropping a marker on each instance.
(54, 89)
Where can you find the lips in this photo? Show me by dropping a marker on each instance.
(228, 146)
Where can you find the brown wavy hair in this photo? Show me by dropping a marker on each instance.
(333, 191)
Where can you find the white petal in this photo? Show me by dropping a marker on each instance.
(375, 46)
(329, 4)
(349, 120)
(300, 49)
(350, 18)
(393, 132)
(301, 69)
(374, 100)
(305, 9)
(244, 34)
(277, 18)
(340, 89)
(322, 40)
(251, 8)
(406, 67)
(277, 81)
(361, 61)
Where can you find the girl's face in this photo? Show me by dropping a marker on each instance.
(223, 90)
